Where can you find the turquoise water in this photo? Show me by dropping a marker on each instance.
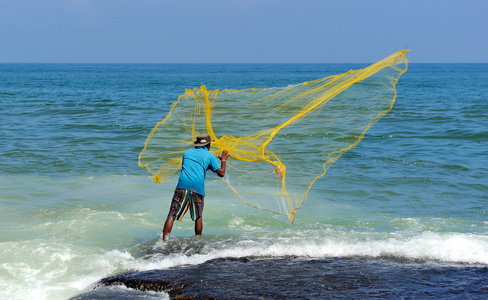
(75, 206)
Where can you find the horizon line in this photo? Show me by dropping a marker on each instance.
(224, 63)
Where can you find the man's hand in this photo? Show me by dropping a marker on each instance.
(224, 155)
(223, 163)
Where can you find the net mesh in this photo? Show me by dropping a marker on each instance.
(276, 137)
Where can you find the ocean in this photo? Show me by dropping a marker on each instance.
(404, 215)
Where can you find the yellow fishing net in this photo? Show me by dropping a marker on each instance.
(281, 140)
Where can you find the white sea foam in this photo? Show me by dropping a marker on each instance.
(428, 246)
(50, 270)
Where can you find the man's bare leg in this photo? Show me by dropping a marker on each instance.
(168, 225)
(198, 227)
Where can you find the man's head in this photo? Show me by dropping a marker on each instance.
(202, 140)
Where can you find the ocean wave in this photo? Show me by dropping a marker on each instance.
(427, 246)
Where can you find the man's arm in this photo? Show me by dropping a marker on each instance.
(223, 163)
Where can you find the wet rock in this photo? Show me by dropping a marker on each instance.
(299, 278)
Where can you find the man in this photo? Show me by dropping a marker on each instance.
(190, 190)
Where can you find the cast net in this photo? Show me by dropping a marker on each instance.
(281, 140)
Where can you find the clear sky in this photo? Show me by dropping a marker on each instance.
(242, 31)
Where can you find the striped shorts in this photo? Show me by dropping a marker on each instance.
(184, 200)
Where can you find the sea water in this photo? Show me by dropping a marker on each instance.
(75, 207)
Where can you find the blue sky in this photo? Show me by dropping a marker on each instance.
(242, 31)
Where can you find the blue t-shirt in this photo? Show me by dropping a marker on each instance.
(196, 162)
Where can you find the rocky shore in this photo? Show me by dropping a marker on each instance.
(298, 278)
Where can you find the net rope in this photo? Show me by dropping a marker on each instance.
(281, 140)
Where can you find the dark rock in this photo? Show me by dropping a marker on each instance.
(301, 278)
(154, 280)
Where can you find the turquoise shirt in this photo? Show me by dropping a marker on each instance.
(196, 162)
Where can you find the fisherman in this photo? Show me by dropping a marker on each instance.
(190, 190)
